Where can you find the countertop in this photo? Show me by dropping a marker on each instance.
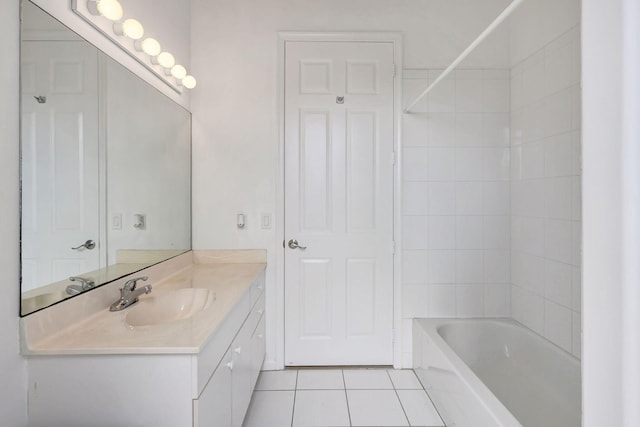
(107, 332)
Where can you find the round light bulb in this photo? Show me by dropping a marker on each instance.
(151, 46)
(179, 72)
(133, 29)
(189, 82)
(166, 59)
(110, 9)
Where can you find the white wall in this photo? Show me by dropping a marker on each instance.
(13, 379)
(611, 311)
(546, 169)
(235, 126)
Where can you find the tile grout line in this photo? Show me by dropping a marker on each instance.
(295, 392)
(346, 397)
(429, 397)
(395, 391)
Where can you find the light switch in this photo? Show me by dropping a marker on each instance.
(241, 220)
(266, 221)
(116, 221)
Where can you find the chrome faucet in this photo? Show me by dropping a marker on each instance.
(85, 285)
(129, 294)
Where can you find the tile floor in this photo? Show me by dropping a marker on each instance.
(340, 398)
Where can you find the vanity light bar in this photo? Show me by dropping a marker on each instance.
(133, 29)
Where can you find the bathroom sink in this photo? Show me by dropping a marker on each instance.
(176, 305)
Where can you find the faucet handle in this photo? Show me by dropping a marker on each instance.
(130, 285)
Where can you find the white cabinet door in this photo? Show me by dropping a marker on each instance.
(213, 408)
(241, 376)
(258, 348)
(339, 203)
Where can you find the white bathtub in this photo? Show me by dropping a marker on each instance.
(495, 372)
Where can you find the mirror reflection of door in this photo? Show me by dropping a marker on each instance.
(60, 169)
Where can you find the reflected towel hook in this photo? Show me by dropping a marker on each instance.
(41, 99)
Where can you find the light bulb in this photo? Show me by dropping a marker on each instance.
(150, 46)
(189, 82)
(133, 29)
(110, 9)
(165, 59)
(178, 71)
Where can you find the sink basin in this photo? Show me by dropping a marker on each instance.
(176, 305)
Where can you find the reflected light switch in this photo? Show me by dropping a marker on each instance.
(266, 221)
(116, 221)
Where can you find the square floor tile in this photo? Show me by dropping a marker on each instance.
(419, 408)
(277, 380)
(270, 408)
(320, 379)
(404, 379)
(375, 408)
(315, 408)
(367, 379)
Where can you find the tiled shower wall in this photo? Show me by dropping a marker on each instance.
(456, 201)
(546, 192)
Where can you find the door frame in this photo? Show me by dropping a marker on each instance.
(279, 307)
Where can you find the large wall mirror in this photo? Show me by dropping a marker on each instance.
(106, 167)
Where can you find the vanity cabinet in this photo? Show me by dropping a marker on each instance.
(226, 397)
(162, 386)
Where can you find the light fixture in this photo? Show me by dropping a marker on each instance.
(131, 28)
(178, 71)
(150, 46)
(165, 59)
(189, 82)
(110, 9)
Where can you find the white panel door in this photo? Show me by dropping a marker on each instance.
(339, 203)
(60, 191)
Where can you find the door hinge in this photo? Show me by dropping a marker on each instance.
(393, 246)
(393, 157)
(393, 70)
(393, 336)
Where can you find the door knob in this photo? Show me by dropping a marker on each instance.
(293, 244)
(89, 244)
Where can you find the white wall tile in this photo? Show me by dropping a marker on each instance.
(442, 198)
(469, 95)
(558, 65)
(469, 198)
(415, 232)
(442, 232)
(469, 164)
(442, 97)
(558, 197)
(496, 164)
(496, 198)
(576, 289)
(442, 266)
(533, 160)
(496, 129)
(533, 311)
(441, 164)
(469, 232)
(414, 163)
(442, 129)
(527, 272)
(469, 265)
(558, 241)
(558, 282)
(576, 198)
(411, 88)
(576, 335)
(527, 235)
(557, 327)
(415, 301)
(497, 299)
(442, 300)
(415, 198)
(414, 266)
(559, 112)
(469, 301)
(497, 266)
(415, 130)
(469, 130)
(497, 232)
(496, 96)
(558, 157)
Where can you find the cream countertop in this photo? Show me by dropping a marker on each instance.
(107, 332)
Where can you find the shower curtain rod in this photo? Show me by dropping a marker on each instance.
(504, 15)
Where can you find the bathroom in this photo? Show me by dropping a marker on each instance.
(234, 55)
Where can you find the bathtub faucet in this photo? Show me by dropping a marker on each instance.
(129, 294)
